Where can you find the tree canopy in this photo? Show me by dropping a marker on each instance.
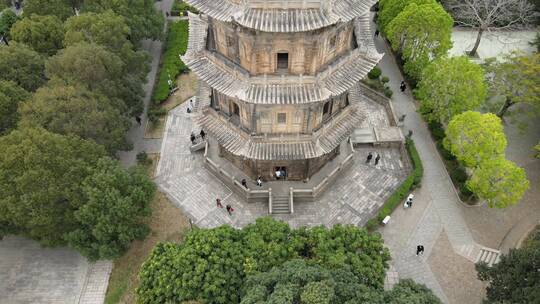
(517, 80)
(141, 16)
(420, 33)
(474, 138)
(75, 110)
(44, 34)
(58, 8)
(516, 277)
(499, 181)
(94, 67)
(389, 9)
(110, 31)
(22, 65)
(450, 86)
(40, 176)
(116, 202)
(212, 264)
(407, 291)
(7, 19)
(10, 97)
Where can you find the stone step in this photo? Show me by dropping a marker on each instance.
(280, 205)
(488, 256)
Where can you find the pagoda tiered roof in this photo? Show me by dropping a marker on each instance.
(284, 15)
(232, 80)
(283, 146)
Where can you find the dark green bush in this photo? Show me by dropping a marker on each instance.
(374, 73)
(437, 130)
(180, 8)
(385, 79)
(155, 113)
(177, 39)
(459, 175)
(388, 92)
(418, 168)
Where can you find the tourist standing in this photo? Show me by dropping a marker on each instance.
(244, 183)
(369, 157)
(259, 181)
(377, 159)
(229, 209)
(218, 203)
(402, 86)
(419, 250)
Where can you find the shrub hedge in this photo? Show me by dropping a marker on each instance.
(412, 181)
(180, 8)
(177, 40)
(374, 73)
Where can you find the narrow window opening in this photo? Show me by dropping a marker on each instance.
(282, 118)
(283, 61)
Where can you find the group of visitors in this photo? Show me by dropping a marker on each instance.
(228, 207)
(193, 137)
(258, 181)
(370, 157)
(280, 173)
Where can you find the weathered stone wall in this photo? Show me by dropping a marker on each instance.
(256, 51)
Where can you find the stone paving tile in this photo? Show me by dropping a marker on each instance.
(95, 286)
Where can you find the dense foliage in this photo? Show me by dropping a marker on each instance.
(420, 33)
(140, 15)
(116, 202)
(7, 19)
(77, 111)
(516, 277)
(44, 34)
(449, 86)
(389, 9)
(499, 181)
(22, 65)
(40, 176)
(474, 137)
(58, 8)
(10, 97)
(212, 265)
(171, 65)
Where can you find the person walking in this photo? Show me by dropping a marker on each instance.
(376, 33)
(259, 181)
(419, 250)
(369, 157)
(138, 120)
(229, 209)
(202, 134)
(192, 138)
(244, 183)
(218, 203)
(377, 159)
(402, 86)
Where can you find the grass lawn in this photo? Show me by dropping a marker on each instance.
(167, 224)
(187, 87)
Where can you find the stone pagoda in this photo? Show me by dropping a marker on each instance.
(279, 80)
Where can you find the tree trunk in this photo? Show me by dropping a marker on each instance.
(507, 104)
(477, 43)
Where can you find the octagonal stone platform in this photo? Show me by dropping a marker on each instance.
(353, 198)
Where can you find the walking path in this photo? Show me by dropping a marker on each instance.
(436, 208)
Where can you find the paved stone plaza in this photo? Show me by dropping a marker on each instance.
(354, 197)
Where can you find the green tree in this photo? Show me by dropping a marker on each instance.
(407, 291)
(75, 110)
(58, 8)
(348, 245)
(389, 9)
(499, 181)
(516, 277)
(141, 16)
(517, 80)
(7, 19)
(99, 70)
(450, 86)
(10, 97)
(116, 202)
(22, 65)
(42, 33)
(420, 33)
(40, 182)
(208, 266)
(537, 149)
(474, 138)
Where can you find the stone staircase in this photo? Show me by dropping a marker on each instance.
(477, 253)
(489, 256)
(280, 204)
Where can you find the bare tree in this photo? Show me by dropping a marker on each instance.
(491, 14)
